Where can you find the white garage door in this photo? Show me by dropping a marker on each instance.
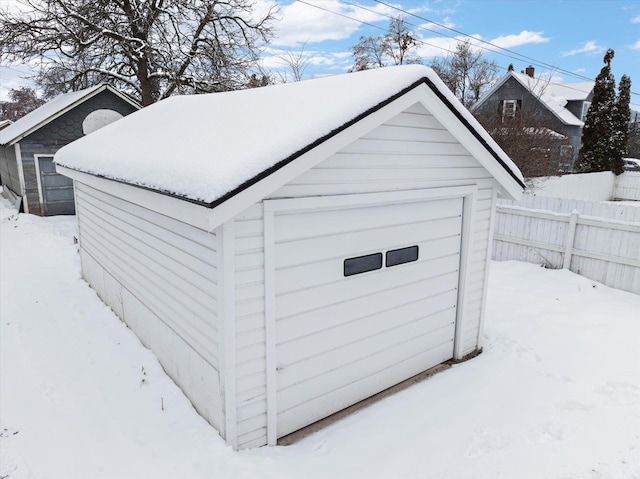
(364, 298)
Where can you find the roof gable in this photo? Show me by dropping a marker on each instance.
(553, 96)
(51, 110)
(210, 148)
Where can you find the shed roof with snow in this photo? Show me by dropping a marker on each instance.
(28, 145)
(248, 134)
(290, 250)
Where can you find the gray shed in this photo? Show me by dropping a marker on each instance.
(28, 145)
(288, 251)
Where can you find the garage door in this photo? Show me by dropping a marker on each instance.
(365, 297)
(56, 190)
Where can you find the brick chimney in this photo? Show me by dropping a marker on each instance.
(529, 71)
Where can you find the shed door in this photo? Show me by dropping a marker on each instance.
(364, 298)
(56, 190)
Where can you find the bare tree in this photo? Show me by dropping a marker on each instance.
(396, 47)
(466, 72)
(149, 48)
(21, 101)
(530, 142)
(369, 53)
(399, 43)
(295, 64)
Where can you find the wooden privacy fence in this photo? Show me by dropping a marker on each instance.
(598, 240)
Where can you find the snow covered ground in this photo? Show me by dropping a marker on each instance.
(555, 394)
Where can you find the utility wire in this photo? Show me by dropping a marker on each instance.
(494, 48)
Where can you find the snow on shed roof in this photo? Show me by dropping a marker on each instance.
(208, 147)
(52, 110)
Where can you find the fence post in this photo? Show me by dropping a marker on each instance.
(571, 235)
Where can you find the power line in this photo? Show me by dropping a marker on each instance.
(518, 56)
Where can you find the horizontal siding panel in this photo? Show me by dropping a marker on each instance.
(199, 274)
(248, 426)
(416, 119)
(249, 354)
(198, 236)
(319, 176)
(249, 322)
(253, 439)
(252, 409)
(400, 133)
(250, 395)
(252, 381)
(405, 147)
(250, 361)
(391, 161)
(187, 288)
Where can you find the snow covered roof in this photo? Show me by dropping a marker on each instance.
(553, 95)
(207, 148)
(52, 110)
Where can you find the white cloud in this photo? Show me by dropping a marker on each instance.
(636, 45)
(300, 23)
(590, 46)
(635, 19)
(525, 37)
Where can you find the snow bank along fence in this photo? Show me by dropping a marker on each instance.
(598, 240)
(600, 186)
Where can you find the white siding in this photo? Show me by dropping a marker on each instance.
(160, 276)
(411, 151)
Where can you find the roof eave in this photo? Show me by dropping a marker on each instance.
(90, 94)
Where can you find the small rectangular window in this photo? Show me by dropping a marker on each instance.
(509, 107)
(401, 256)
(585, 108)
(362, 264)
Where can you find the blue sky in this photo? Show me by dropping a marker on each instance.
(559, 37)
(570, 35)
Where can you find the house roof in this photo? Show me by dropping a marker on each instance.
(554, 96)
(51, 110)
(5, 123)
(208, 148)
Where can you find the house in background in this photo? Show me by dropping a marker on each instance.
(561, 107)
(27, 146)
(288, 251)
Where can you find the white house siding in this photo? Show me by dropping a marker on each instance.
(160, 276)
(411, 151)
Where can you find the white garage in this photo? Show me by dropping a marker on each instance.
(291, 250)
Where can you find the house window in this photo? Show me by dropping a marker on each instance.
(585, 108)
(401, 256)
(566, 158)
(362, 264)
(509, 108)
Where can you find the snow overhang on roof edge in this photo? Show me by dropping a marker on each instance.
(282, 163)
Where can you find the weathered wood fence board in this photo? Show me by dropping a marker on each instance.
(598, 240)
